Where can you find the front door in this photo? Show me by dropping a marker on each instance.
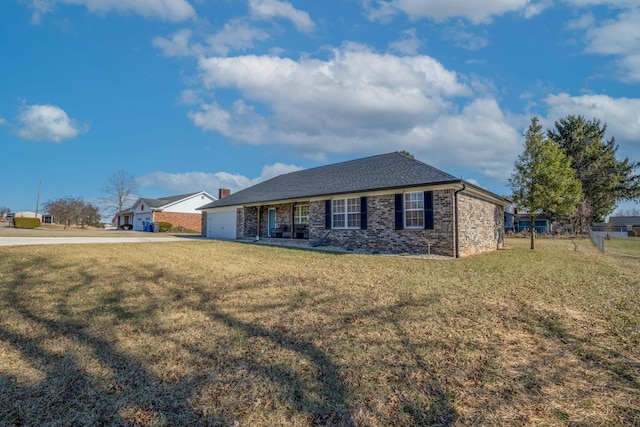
(272, 223)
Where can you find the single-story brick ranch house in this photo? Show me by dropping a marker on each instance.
(181, 210)
(388, 203)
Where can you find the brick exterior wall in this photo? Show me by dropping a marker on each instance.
(246, 223)
(192, 221)
(381, 235)
(481, 225)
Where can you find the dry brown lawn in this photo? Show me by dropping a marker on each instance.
(629, 246)
(219, 333)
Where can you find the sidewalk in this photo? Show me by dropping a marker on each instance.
(10, 236)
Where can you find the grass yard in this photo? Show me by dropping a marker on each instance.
(629, 246)
(219, 333)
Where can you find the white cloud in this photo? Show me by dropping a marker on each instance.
(269, 9)
(241, 122)
(3, 121)
(180, 183)
(355, 75)
(615, 4)
(165, 10)
(190, 97)
(536, 8)
(177, 183)
(270, 171)
(212, 117)
(40, 8)
(631, 63)
(619, 37)
(620, 114)
(356, 91)
(616, 37)
(47, 123)
(479, 137)
(582, 23)
(472, 10)
(357, 102)
(178, 45)
(236, 35)
(465, 39)
(408, 43)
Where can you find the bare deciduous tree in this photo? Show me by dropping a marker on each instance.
(70, 210)
(120, 189)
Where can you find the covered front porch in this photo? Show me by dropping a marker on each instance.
(277, 221)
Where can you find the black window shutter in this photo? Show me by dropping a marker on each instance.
(428, 210)
(399, 212)
(363, 213)
(327, 214)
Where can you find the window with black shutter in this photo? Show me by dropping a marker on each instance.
(399, 215)
(327, 214)
(428, 210)
(363, 213)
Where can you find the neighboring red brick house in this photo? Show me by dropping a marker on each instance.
(177, 210)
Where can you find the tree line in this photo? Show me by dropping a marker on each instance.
(571, 173)
(73, 211)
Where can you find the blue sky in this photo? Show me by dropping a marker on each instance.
(191, 95)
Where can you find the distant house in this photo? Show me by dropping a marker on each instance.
(624, 223)
(27, 214)
(181, 210)
(618, 226)
(389, 203)
(522, 222)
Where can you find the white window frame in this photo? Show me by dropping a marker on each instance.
(298, 218)
(413, 203)
(350, 211)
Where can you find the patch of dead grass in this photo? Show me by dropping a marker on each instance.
(215, 333)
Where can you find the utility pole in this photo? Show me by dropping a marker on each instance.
(38, 199)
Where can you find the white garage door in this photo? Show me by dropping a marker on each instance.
(138, 219)
(221, 224)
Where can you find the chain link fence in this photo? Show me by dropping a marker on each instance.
(597, 239)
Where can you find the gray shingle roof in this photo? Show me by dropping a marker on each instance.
(163, 201)
(384, 171)
(624, 220)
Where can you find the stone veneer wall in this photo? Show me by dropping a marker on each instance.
(481, 225)
(246, 222)
(192, 221)
(381, 234)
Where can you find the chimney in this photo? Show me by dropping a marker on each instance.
(223, 192)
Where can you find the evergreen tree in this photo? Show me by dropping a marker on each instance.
(605, 180)
(543, 179)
